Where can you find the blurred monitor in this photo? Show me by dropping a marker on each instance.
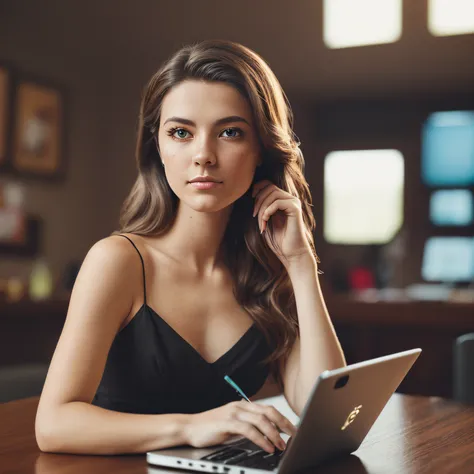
(452, 207)
(448, 259)
(447, 157)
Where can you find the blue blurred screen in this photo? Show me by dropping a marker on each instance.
(448, 259)
(453, 207)
(448, 149)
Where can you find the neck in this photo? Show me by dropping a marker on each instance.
(195, 239)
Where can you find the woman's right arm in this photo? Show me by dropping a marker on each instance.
(100, 302)
(66, 421)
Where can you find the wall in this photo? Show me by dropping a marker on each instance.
(75, 210)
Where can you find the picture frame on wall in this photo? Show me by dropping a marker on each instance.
(5, 116)
(39, 129)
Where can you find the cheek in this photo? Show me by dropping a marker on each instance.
(176, 171)
(244, 166)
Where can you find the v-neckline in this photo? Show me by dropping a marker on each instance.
(224, 356)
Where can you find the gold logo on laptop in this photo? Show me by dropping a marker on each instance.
(351, 417)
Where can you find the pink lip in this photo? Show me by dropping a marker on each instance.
(204, 184)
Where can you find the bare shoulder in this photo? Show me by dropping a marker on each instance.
(113, 250)
(110, 273)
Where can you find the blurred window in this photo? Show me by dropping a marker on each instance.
(361, 22)
(450, 17)
(363, 196)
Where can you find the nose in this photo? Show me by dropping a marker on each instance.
(205, 154)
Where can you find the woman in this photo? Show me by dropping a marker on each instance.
(213, 273)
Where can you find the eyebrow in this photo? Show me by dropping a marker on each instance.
(222, 121)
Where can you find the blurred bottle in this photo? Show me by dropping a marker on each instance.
(41, 281)
(15, 289)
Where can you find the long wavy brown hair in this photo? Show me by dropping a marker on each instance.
(261, 284)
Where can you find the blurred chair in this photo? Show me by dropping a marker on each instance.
(21, 381)
(463, 370)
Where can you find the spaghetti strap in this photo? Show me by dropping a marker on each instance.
(143, 265)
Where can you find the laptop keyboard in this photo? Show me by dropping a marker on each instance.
(256, 458)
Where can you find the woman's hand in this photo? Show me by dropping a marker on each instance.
(258, 423)
(287, 218)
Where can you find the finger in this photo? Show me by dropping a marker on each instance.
(283, 423)
(263, 196)
(264, 425)
(271, 195)
(251, 433)
(265, 208)
(285, 205)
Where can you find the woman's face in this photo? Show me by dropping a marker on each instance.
(206, 129)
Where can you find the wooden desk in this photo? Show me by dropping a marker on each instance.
(413, 435)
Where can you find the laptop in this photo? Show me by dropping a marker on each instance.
(339, 413)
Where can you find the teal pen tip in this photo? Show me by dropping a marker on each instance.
(236, 387)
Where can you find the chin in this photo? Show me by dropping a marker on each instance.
(209, 203)
(206, 203)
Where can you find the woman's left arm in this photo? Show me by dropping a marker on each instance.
(318, 348)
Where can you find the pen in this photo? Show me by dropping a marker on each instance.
(236, 388)
(242, 394)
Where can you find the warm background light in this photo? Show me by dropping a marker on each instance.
(450, 17)
(361, 22)
(363, 196)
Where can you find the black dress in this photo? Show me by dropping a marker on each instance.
(151, 369)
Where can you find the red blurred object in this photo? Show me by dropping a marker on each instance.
(361, 278)
(12, 226)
